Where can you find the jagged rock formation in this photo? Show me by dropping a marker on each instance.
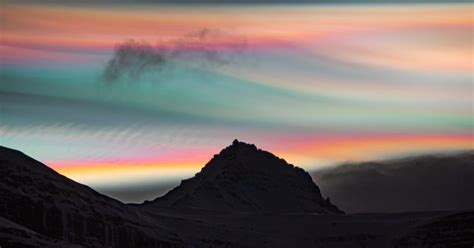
(242, 178)
(36, 197)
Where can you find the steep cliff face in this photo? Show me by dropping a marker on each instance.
(38, 198)
(242, 178)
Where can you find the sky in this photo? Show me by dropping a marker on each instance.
(125, 95)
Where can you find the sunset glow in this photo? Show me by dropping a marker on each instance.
(318, 86)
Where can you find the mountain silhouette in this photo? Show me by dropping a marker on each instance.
(244, 197)
(242, 178)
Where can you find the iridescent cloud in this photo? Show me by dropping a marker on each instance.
(317, 85)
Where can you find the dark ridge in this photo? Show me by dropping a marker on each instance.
(43, 201)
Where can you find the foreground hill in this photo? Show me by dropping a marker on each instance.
(421, 183)
(38, 198)
(242, 178)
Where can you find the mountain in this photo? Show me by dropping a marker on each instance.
(40, 207)
(265, 203)
(242, 178)
(419, 183)
(47, 204)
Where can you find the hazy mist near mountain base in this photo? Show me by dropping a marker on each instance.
(138, 194)
(425, 183)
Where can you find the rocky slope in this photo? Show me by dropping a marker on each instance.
(242, 178)
(39, 199)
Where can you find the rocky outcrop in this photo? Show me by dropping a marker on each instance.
(242, 178)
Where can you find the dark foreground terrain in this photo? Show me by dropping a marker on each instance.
(244, 197)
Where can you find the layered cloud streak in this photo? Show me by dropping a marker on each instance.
(316, 84)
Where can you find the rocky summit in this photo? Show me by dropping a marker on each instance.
(243, 178)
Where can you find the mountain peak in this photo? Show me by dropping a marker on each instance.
(247, 179)
(236, 144)
(237, 147)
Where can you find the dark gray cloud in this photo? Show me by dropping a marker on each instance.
(438, 182)
(204, 47)
(133, 58)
